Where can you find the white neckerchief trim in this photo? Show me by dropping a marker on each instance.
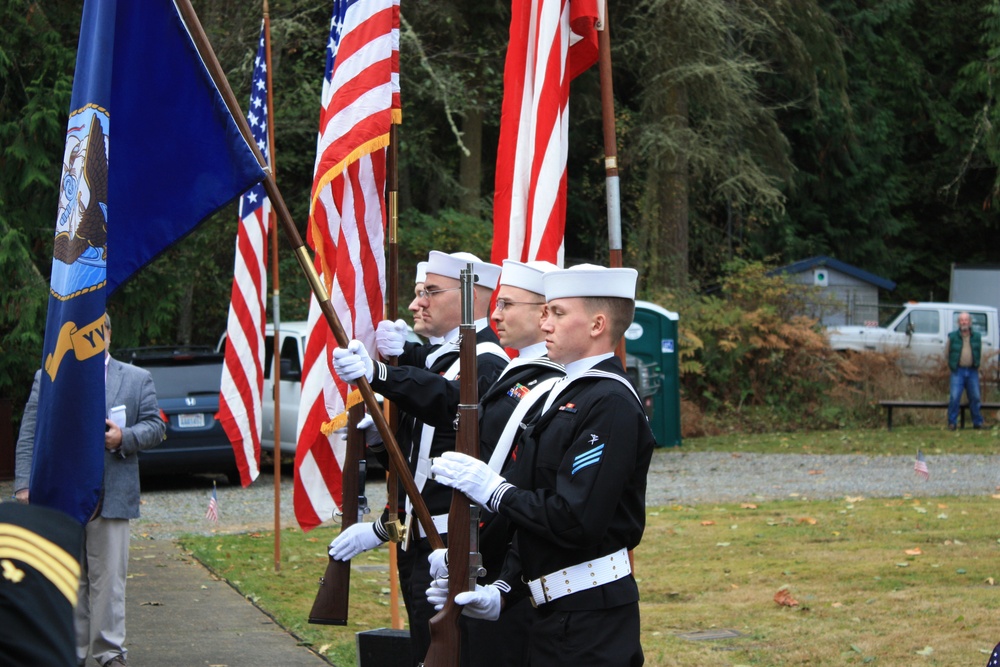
(427, 431)
(537, 361)
(506, 439)
(533, 351)
(582, 368)
(449, 343)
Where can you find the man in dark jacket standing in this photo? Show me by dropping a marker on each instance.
(965, 347)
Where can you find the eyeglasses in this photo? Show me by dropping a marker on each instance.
(428, 293)
(503, 303)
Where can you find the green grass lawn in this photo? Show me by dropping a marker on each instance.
(902, 440)
(904, 581)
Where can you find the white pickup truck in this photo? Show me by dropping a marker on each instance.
(918, 332)
(292, 352)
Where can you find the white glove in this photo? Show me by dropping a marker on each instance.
(389, 338)
(354, 540)
(439, 564)
(483, 603)
(467, 474)
(352, 362)
(367, 426)
(437, 593)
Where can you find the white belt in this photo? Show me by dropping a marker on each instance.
(576, 578)
(440, 522)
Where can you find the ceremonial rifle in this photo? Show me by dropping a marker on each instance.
(393, 526)
(464, 566)
(330, 605)
(396, 458)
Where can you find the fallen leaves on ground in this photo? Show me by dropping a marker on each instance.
(708, 523)
(914, 552)
(785, 599)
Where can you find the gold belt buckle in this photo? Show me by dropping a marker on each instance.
(545, 592)
(545, 589)
(408, 529)
(395, 530)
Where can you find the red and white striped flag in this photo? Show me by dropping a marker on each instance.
(397, 103)
(920, 466)
(243, 371)
(212, 514)
(551, 42)
(346, 231)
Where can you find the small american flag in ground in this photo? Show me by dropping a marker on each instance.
(920, 466)
(213, 506)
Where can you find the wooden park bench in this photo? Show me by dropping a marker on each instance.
(889, 405)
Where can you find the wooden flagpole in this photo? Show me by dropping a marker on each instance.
(611, 184)
(611, 166)
(275, 301)
(396, 458)
(392, 311)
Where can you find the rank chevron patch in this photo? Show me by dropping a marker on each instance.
(588, 458)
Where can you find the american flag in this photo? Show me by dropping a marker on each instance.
(213, 506)
(243, 371)
(994, 657)
(551, 42)
(346, 231)
(920, 466)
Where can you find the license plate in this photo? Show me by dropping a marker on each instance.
(191, 421)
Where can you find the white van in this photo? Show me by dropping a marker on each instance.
(293, 345)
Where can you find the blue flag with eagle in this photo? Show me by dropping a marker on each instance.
(177, 157)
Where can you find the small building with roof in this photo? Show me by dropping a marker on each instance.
(846, 295)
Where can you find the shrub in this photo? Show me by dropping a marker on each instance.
(749, 358)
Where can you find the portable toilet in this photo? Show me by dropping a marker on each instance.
(652, 339)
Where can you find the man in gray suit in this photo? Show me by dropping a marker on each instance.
(134, 424)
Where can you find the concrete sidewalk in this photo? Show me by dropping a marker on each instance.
(179, 615)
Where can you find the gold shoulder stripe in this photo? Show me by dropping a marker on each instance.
(65, 558)
(48, 558)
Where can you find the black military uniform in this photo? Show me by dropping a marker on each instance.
(414, 567)
(485, 643)
(579, 484)
(40, 552)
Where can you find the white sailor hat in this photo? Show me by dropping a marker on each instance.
(585, 280)
(451, 265)
(421, 273)
(526, 275)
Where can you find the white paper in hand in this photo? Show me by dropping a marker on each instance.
(117, 415)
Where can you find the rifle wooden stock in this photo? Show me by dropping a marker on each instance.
(396, 459)
(330, 605)
(445, 648)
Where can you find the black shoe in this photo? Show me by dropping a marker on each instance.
(951, 427)
(977, 426)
